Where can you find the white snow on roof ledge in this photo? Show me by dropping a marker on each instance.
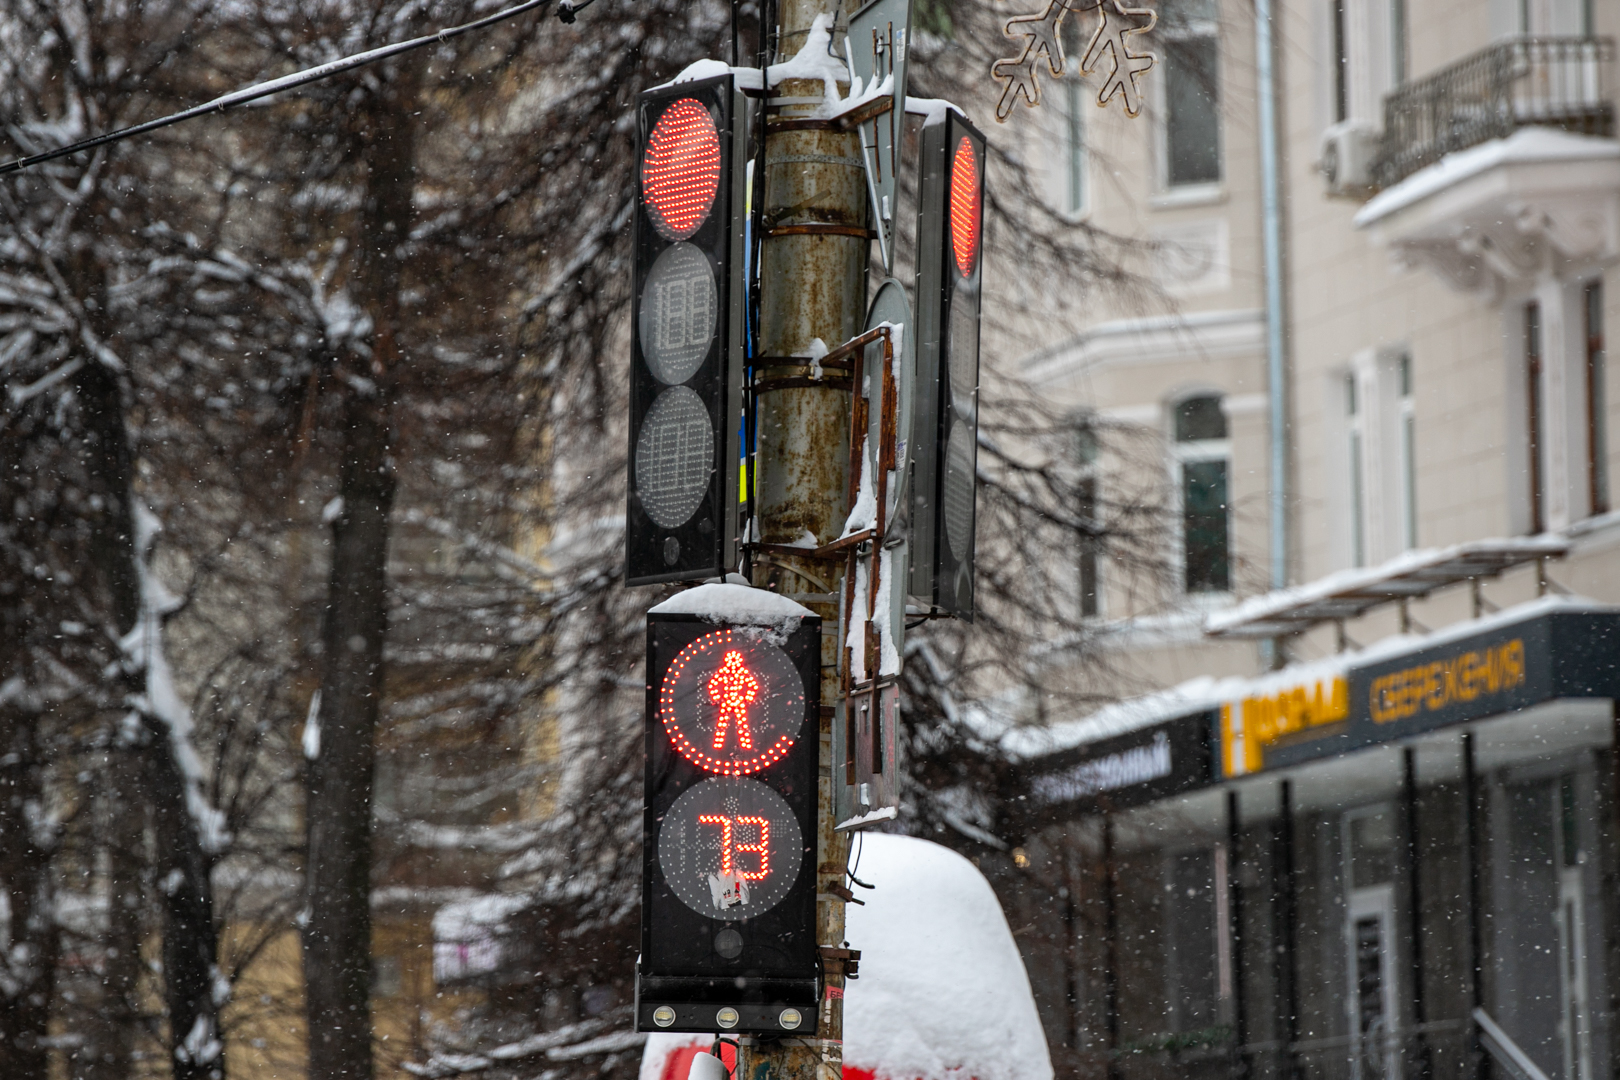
(734, 604)
(1120, 718)
(1527, 146)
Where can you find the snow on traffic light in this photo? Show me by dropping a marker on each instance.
(687, 328)
(728, 939)
(950, 242)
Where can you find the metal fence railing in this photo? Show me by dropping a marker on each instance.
(1519, 82)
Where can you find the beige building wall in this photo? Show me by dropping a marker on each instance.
(1359, 320)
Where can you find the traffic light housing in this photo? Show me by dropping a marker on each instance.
(950, 265)
(728, 909)
(687, 327)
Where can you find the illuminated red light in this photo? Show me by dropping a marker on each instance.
(967, 207)
(733, 688)
(680, 171)
(761, 847)
(729, 846)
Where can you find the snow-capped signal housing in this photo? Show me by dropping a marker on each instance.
(728, 910)
(686, 363)
(945, 420)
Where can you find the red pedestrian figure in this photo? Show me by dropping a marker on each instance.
(733, 688)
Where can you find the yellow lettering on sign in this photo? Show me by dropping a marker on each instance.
(1253, 724)
(1459, 679)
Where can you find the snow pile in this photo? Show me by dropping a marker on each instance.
(816, 60)
(933, 109)
(942, 993)
(882, 609)
(863, 515)
(698, 70)
(728, 603)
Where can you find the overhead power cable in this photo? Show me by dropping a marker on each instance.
(566, 9)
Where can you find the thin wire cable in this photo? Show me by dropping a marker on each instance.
(275, 86)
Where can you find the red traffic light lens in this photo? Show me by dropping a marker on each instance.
(680, 171)
(731, 705)
(966, 207)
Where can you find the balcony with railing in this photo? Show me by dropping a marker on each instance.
(1520, 82)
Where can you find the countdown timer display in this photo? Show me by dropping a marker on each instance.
(731, 704)
(680, 312)
(730, 848)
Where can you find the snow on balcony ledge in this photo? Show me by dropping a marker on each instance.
(1505, 211)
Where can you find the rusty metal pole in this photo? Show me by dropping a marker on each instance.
(812, 285)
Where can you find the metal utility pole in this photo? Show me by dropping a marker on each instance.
(815, 247)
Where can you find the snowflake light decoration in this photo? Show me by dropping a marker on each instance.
(1112, 39)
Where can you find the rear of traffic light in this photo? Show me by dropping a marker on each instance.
(687, 326)
(945, 424)
(728, 931)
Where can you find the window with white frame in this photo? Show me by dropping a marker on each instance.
(1356, 434)
(1597, 427)
(1535, 418)
(1377, 456)
(1406, 407)
(1547, 18)
(1086, 449)
(1558, 398)
(1192, 114)
(1203, 452)
(1368, 56)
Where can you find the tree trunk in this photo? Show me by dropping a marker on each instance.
(28, 959)
(108, 1050)
(337, 938)
(108, 1053)
(182, 872)
(190, 941)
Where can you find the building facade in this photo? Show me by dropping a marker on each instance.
(1363, 825)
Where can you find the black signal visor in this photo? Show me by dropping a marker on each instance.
(950, 267)
(687, 333)
(728, 908)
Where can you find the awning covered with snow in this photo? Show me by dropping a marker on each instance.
(1352, 593)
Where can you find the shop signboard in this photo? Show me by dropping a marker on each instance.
(1130, 769)
(1498, 670)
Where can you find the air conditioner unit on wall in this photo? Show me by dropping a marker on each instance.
(1349, 151)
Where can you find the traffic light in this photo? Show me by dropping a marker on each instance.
(950, 263)
(686, 366)
(728, 906)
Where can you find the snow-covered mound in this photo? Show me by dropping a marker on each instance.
(942, 993)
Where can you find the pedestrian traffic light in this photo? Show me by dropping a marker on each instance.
(728, 906)
(686, 365)
(950, 264)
